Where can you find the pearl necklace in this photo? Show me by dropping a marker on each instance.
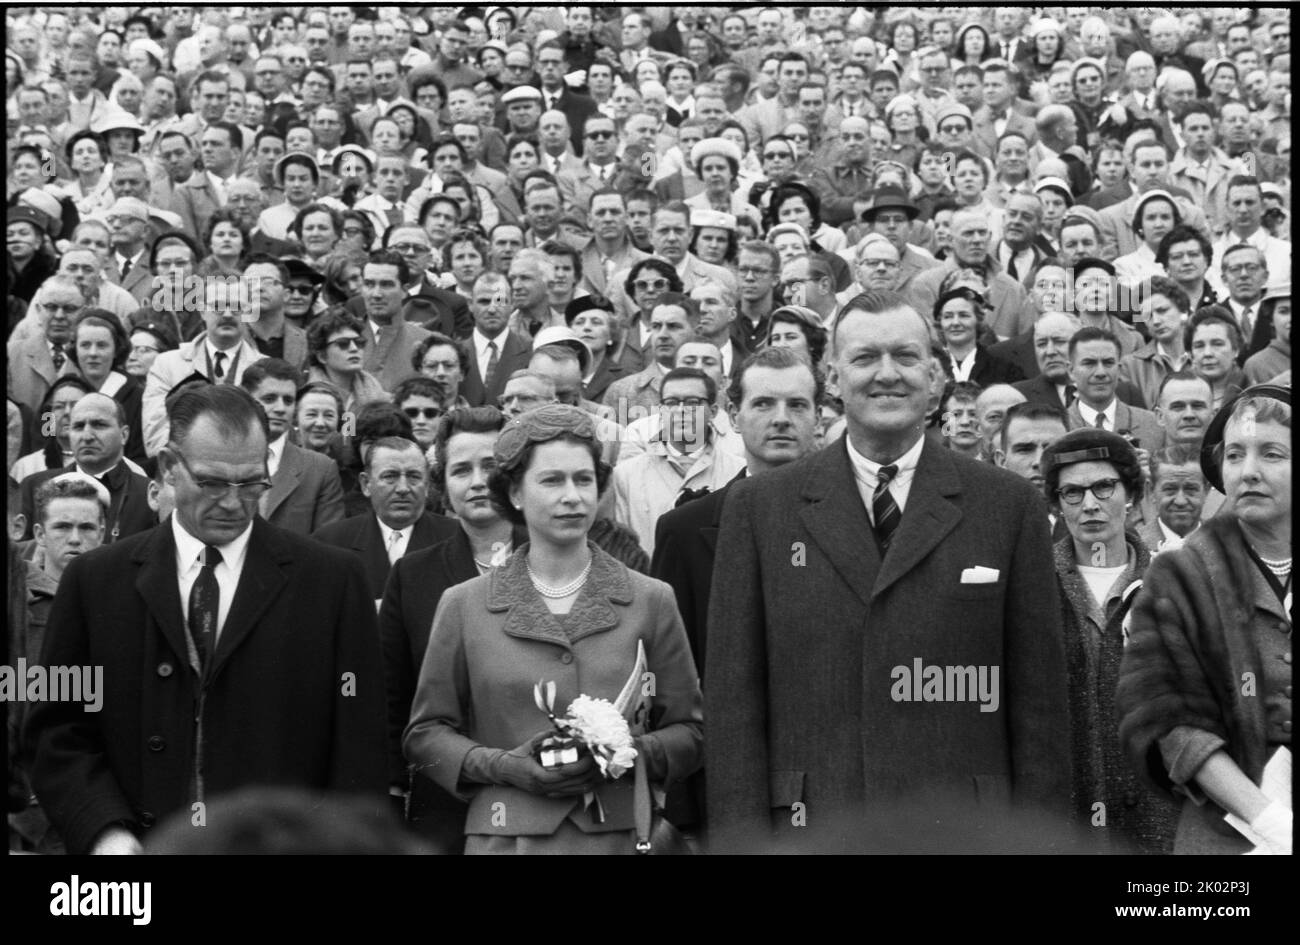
(557, 593)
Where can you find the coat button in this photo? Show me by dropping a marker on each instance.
(566, 657)
(157, 743)
(1288, 692)
(1286, 658)
(147, 818)
(165, 670)
(1286, 726)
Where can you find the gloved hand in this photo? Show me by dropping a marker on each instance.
(1273, 825)
(519, 768)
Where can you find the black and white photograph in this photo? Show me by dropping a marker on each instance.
(650, 430)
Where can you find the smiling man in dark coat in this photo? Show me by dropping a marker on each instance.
(888, 631)
(257, 665)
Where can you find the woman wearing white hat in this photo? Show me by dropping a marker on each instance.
(717, 163)
(1154, 216)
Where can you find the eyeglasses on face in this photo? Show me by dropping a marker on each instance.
(299, 288)
(407, 249)
(1242, 269)
(344, 344)
(600, 133)
(428, 413)
(650, 285)
(218, 489)
(1101, 489)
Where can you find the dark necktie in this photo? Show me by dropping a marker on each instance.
(490, 374)
(1006, 51)
(59, 357)
(1069, 395)
(1011, 267)
(126, 268)
(1100, 423)
(219, 371)
(884, 508)
(205, 601)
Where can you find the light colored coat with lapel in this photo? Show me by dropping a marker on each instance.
(493, 639)
(31, 369)
(169, 369)
(389, 356)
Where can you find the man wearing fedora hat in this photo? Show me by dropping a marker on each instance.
(891, 214)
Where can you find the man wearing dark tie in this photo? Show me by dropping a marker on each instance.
(552, 64)
(1094, 368)
(873, 564)
(234, 654)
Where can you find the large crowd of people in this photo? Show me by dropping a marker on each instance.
(898, 398)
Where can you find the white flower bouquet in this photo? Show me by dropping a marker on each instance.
(592, 725)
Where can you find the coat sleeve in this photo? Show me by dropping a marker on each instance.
(434, 741)
(672, 566)
(357, 758)
(735, 687)
(71, 774)
(153, 410)
(399, 672)
(674, 745)
(1036, 685)
(329, 499)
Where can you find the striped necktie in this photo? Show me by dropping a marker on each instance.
(885, 510)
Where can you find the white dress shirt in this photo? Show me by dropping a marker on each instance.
(481, 349)
(1090, 416)
(395, 539)
(189, 563)
(867, 473)
(275, 453)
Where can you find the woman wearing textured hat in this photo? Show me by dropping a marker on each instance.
(713, 236)
(1092, 479)
(716, 162)
(1155, 215)
(1204, 694)
(560, 611)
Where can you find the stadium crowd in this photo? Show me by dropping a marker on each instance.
(368, 365)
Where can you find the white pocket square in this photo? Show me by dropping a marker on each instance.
(979, 575)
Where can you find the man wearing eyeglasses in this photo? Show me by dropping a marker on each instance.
(1245, 208)
(40, 358)
(218, 355)
(193, 622)
(128, 223)
(682, 459)
(266, 281)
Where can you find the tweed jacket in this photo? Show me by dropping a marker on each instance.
(808, 630)
(1137, 819)
(493, 639)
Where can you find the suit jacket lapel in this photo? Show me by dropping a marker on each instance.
(837, 519)
(260, 583)
(927, 518)
(369, 542)
(285, 479)
(40, 359)
(159, 586)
